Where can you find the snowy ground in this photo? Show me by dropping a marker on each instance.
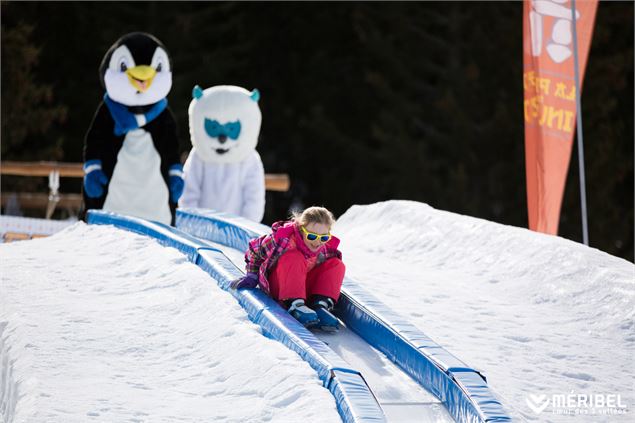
(538, 314)
(98, 324)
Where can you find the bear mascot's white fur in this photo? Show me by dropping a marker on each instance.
(224, 171)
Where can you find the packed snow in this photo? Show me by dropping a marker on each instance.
(538, 314)
(101, 324)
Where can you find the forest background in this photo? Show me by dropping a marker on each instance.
(361, 101)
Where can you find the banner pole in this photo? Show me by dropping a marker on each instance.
(579, 132)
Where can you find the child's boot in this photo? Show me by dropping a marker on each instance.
(323, 306)
(302, 313)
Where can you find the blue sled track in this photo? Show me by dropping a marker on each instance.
(462, 390)
(355, 401)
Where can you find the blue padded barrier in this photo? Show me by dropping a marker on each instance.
(278, 324)
(216, 264)
(345, 387)
(227, 229)
(355, 402)
(476, 385)
(462, 389)
(373, 312)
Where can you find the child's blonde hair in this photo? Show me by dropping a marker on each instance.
(313, 215)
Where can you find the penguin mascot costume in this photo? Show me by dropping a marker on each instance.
(131, 157)
(224, 171)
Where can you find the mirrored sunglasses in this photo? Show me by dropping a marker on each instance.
(313, 236)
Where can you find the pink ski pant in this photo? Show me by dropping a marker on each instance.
(289, 278)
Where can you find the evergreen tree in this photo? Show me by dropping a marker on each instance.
(28, 108)
(361, 101)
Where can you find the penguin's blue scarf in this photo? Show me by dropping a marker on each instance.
(125, 121)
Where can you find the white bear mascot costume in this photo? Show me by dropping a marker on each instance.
(224, 171)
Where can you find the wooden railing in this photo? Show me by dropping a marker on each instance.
(39, 200)
(273, 181)
(73, 170)
(54, 170)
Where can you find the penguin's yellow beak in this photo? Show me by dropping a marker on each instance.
(141, 77)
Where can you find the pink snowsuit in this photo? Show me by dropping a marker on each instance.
(287, 268)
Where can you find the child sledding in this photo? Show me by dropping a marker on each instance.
(299, 265)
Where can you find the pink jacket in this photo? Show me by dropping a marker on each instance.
(264, 252)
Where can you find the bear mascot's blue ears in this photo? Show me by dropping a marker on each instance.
(255, 95)
(197, 92)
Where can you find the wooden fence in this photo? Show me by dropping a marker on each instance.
(54, 170)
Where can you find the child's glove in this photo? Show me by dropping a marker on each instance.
(250, 280)
(94, 179)
(176, 182)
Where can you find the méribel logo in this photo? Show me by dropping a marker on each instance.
(537, 403)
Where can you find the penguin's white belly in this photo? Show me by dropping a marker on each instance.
(137, 187)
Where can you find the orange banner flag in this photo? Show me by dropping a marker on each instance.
(550, 100)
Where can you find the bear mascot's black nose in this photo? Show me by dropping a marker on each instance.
(222, 139)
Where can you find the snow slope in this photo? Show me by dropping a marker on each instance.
(99, 324)
(538, 314)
